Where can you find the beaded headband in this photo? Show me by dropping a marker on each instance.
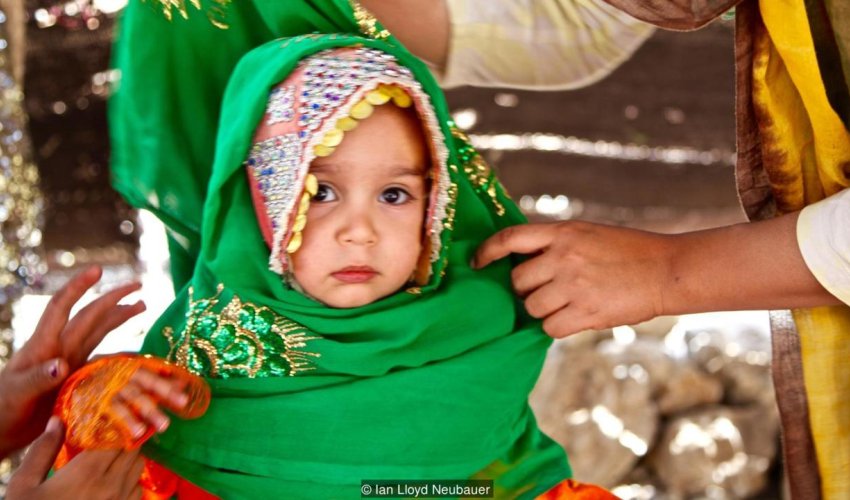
(307, 116)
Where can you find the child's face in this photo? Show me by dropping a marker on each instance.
(364, 227)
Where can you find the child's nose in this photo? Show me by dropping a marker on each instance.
(358, 228)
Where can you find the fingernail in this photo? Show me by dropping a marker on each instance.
(163, 424)
(139, 431)
(473, 263)
(140, 305)
(53, 370)
(181, 400)
(53, 425)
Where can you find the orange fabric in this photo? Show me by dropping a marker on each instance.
(573, 490)
(85, 406)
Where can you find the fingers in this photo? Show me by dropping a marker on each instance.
(527, 238)
(143, 406)
(570, 320)
(128, 471)
(115, 317)
(124, 464)
(56, 314)
(38, 460)
(36, 381)
(546, 300)
(136, 493)
(84, 331)
(137, 404)
(533, 274)
(92, 462)
(123, 410)
(169, 390)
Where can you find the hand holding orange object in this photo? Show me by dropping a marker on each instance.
(114, 402)
(98, 474)
(58, 346)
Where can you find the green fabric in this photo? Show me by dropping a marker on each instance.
(164, 109)
(414, 386)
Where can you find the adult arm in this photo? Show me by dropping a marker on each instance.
(595, 276)
(535, 44)
(676, 14)
(423, 27)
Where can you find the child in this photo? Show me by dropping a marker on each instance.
(333, 310)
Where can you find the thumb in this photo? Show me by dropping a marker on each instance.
(40, 456)
(40, 379)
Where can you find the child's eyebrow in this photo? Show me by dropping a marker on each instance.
(406, 170)
(396, 171)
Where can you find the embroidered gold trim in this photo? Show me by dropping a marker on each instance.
(367, 22)
(216, 14)
(242, 340)
(480, 174)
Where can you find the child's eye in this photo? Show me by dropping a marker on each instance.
(395, 196)
(324, 194)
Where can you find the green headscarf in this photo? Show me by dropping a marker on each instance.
(428, 383)
(165, 107)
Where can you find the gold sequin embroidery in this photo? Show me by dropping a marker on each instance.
(216, 14)
(477, 170)
(367, 22)
(242, 340)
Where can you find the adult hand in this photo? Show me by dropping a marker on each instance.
(101, 474)
(57, 347)
(584, 275)
(593, 276)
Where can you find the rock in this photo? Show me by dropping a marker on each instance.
(597, 417)
(676, 385)
(742, 363)
(656, 328)
(719, 452)
(689, 387)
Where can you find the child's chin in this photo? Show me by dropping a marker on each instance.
(354, 296)
(351, 299)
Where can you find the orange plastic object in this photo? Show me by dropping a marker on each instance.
(573, 490)
(85, 406)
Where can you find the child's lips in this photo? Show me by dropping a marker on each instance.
(355, 274)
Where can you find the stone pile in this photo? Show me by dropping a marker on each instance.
(656, 412)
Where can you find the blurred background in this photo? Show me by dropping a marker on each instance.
(680, 407)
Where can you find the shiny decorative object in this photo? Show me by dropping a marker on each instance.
(367, 22)
(333, 90)
(281, 107)
(482, 177)
(240, 340)
(216, 12)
